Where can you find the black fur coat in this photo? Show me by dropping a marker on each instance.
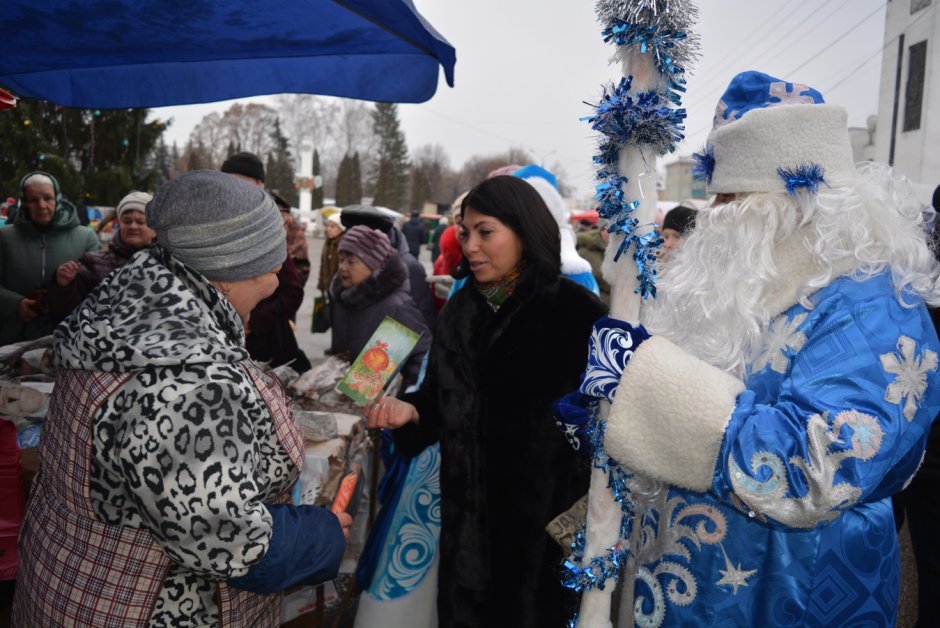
(506, 470)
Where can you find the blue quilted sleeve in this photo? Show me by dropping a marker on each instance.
(837, 410)
(306, 547)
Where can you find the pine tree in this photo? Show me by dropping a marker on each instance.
(97, 155)
(316, 196)
(279, 170)
(197, 157)
(355, 180)
(392, 179)
(163, 163)
(343, 179)
(420, 188)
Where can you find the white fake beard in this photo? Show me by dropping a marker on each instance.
(709, 293)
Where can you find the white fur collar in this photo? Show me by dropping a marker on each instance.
(796, 265)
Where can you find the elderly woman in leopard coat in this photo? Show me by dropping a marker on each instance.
(167, 455)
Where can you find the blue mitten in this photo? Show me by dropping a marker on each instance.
(573, 416)
(611, 346)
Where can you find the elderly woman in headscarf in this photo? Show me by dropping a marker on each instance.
(45, 235)
(167, 455)
(75, 279)
(372, 283)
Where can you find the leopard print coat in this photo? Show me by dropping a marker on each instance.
(186, 448)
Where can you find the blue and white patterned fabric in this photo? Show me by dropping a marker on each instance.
(797, 528)
(612, 343)
(412, 524)
(756, 90)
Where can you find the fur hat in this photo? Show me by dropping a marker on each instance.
(770, 135)
(370, 245)
(219, 225)
(133, 202)
(246, 164)
(681, 219)
(336, 219)
(545, 184)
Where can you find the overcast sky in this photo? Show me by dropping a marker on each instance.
(525, 67)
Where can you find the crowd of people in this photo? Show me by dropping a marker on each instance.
(780, 391)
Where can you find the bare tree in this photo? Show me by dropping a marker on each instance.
(304, 116)
(430, 167)
(478, 167)
(245, 127)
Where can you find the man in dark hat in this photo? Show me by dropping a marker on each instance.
(415, 234)
(677, 225)
(245, 166)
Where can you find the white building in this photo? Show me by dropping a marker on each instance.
(907, 134)
(680, 184)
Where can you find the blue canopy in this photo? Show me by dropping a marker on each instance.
(152, 53)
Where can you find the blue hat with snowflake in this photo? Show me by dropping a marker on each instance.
(773, 135)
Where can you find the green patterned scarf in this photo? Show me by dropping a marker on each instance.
(496, 292)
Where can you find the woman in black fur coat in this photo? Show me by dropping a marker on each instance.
(504, 348)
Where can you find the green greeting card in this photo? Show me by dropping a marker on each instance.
(380, 359)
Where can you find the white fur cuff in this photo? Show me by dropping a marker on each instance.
(669, 416)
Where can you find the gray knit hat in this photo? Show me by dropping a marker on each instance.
(219, 225)
(369, 245)
(133, 202)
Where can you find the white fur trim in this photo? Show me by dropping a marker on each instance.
(748, 151)
(795, 267)
(670, 414)
(571, 262)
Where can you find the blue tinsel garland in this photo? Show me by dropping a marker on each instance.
(642, 119)
(704, 164)
(805, 176)
(650, 120)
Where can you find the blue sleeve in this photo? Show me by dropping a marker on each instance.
(587, 280)
(306, 547)
(457, 285)
(836, 414)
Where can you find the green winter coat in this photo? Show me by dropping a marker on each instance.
(28, 261)
(591, 247)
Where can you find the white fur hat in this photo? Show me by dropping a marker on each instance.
(770, 135)
(571, 262)
(336, 219)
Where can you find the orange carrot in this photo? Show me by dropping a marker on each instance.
(344, 494)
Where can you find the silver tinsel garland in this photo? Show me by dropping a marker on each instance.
(671, 20)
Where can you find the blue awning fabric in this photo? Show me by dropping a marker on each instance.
(152, 53)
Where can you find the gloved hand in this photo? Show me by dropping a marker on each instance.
(573, 414)
(611, 346)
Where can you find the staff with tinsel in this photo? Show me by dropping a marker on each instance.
(638, 119)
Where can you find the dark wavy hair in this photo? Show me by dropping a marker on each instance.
(517, 205)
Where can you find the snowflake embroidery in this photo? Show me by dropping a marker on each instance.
(866, 432)
(733, 575)
(782, 336)
(910, 374)
(792, 97)
(825, 497)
